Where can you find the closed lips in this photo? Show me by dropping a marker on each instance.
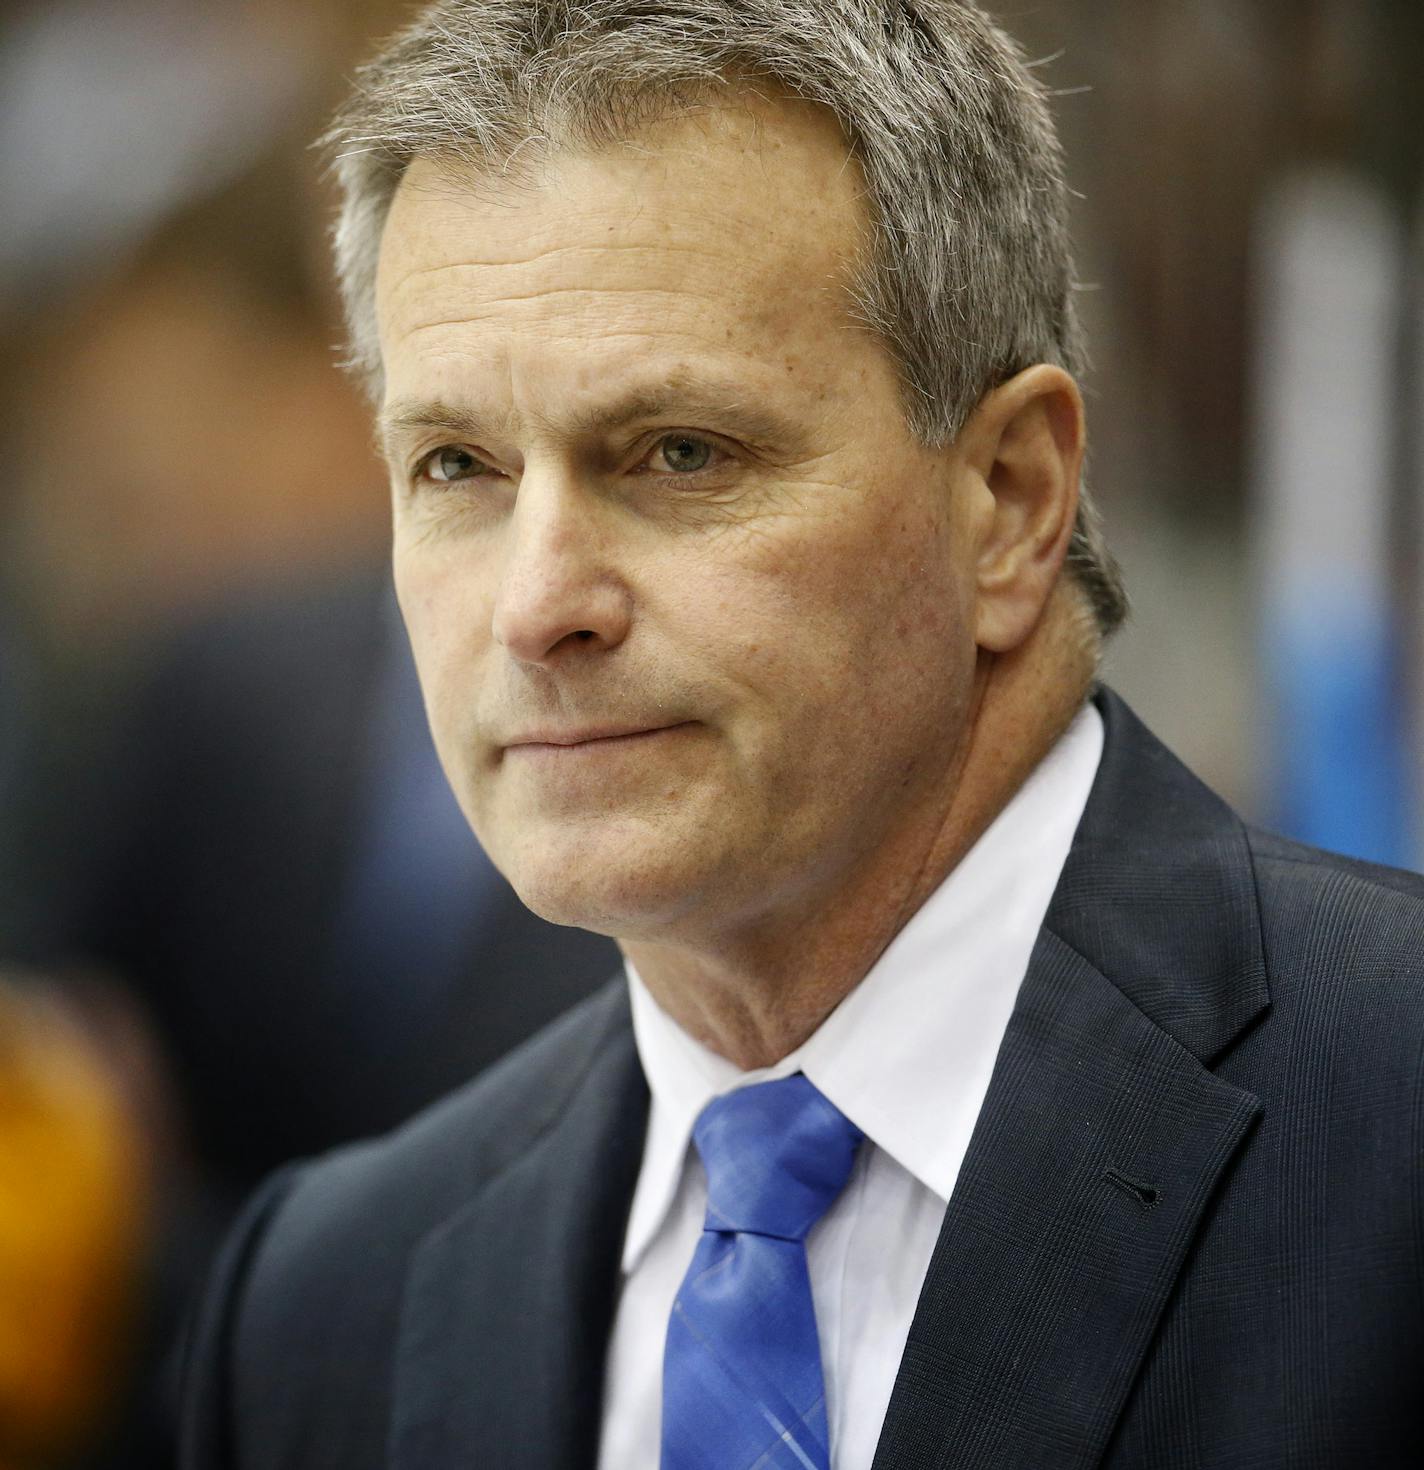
(567, 739)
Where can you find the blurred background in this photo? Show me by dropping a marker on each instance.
(239, 916)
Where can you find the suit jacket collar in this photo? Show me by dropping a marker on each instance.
(1159, 894)
(1101, 1140)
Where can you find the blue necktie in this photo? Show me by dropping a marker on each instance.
(742, 1383)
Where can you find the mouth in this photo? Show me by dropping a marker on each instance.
(590, 740)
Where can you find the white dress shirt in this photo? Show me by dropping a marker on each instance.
(906, 1057)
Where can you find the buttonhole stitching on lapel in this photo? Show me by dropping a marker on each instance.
(1146, 1195)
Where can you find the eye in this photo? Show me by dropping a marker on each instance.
(452, 462)
(683, 454)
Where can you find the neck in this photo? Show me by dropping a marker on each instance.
(755, 996)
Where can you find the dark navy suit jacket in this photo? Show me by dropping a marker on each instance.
(1188, 1231)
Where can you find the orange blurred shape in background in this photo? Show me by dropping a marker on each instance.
(73, 1212)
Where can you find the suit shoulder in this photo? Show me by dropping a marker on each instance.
(306, 1298)
(1289, 870)
(364, 1207)
(1298, 862)
(421, 1170)
(1325, 914)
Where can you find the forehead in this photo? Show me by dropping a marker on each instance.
(733, 232)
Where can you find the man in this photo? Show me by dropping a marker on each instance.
(1040, 1114)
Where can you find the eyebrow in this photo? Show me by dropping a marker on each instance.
(679, 399)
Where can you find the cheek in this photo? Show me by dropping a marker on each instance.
(910, 640)
(859, 618)
(444, 613)
(419, 605)
(877, 581)
(442, 585)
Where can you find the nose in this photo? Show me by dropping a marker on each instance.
(559, 591)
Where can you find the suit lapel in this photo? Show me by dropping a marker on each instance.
(1101, 1139)
(509, 1303)
(1096, 1153)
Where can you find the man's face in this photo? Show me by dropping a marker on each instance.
(691, 608)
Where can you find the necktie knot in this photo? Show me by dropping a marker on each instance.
(777, 1154)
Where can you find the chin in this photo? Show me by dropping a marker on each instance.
(606, 894)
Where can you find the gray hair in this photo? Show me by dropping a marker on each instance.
(970, 277)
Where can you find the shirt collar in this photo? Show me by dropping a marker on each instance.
(908, 1054)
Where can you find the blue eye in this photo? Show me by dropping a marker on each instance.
(684, 454)
(452, 462)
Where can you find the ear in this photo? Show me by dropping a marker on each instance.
(1024, 445)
